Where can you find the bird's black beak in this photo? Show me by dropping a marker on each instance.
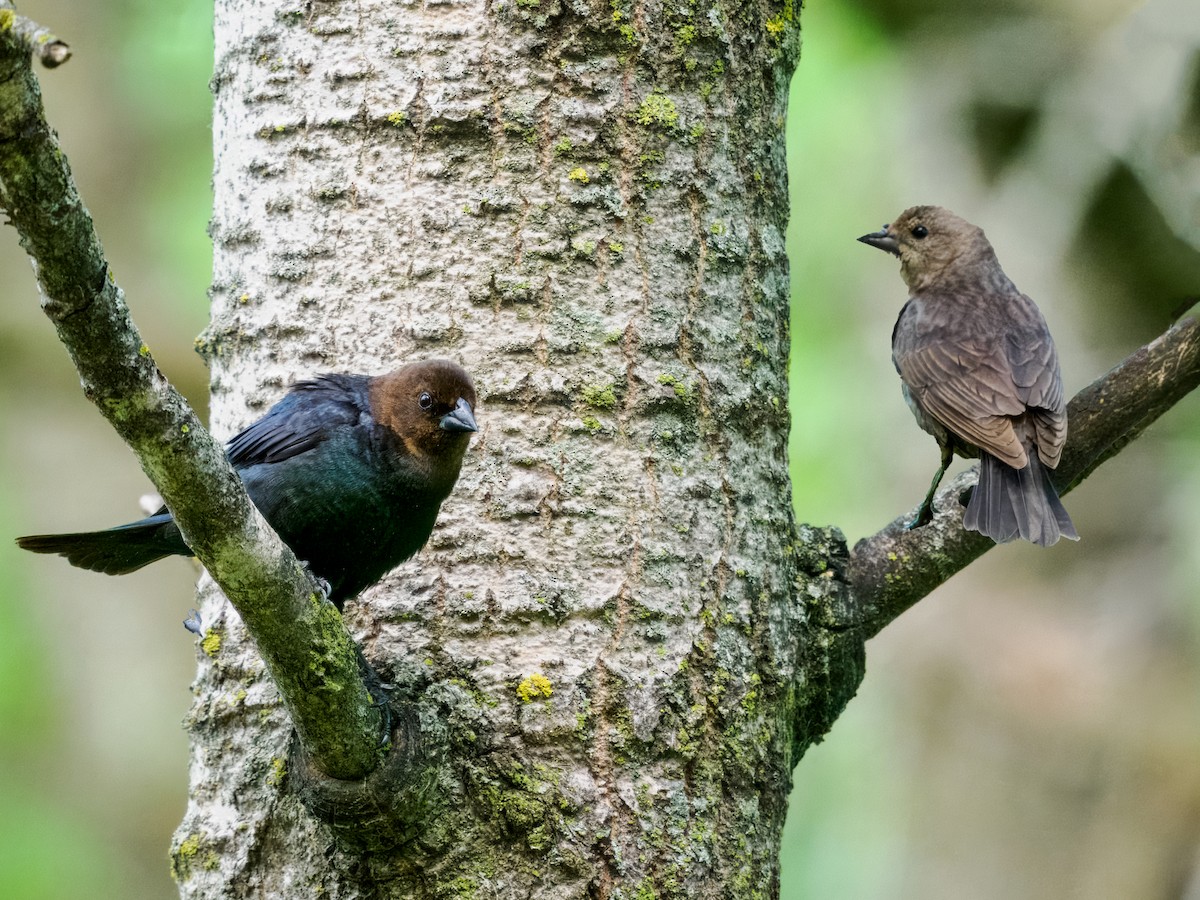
(883, 239)
(461, 418)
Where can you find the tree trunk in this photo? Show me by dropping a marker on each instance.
(608, 632)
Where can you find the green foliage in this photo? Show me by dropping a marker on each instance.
(23, 668)
(842, 93)
(174, 42)
(47, 853)
(839, 96)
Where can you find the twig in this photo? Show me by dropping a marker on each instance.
(40, 41)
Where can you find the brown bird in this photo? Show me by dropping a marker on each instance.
(979, 371)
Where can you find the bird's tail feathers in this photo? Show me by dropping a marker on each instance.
(1008, 503)
(114, 551)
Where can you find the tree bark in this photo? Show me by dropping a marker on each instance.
(602, 645)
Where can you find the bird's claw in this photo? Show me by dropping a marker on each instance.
(385, 713)
(325, 587)
(923, 517)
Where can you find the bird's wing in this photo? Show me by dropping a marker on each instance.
(1036, 375)
(1033, 365)
(310, 413)
(969, 388)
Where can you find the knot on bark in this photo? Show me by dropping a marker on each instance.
(390, 806)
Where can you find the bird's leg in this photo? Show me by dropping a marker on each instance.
(380, 693)
(925, 511)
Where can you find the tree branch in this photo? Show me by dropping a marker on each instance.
(302, 638)
(41, 42)
(895, 568)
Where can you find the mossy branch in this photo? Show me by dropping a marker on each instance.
(895, 568)
(312, 658)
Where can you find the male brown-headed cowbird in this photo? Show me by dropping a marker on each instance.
(350, 470)
(980, 373)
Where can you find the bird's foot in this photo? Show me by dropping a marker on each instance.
(923, 517)
(385, 735)
(325, 587)
(380, 695)
(925, 510)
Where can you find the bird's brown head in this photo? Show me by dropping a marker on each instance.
(936, 248)
(430, 407)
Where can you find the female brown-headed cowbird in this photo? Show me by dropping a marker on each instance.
(980, 373)
(350, 470)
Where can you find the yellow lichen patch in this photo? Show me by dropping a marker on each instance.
(185, 856)
(211, 645)
(535, 686)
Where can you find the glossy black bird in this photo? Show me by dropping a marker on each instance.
(350, 470)
(980, 373)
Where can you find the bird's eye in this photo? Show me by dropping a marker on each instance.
(920, 232)
(425, 400)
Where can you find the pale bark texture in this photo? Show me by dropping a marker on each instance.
(609, 657)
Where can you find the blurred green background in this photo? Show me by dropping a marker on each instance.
(1031, 730)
